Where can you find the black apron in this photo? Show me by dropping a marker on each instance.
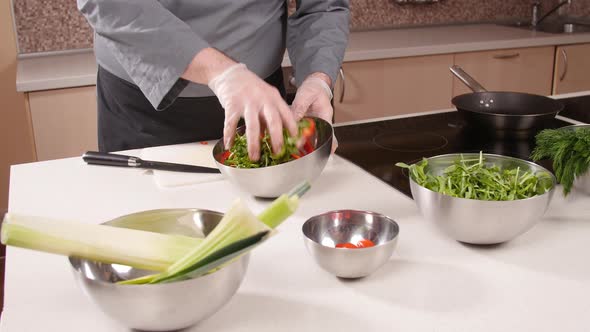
(127, 120)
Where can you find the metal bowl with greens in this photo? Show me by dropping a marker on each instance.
(481, 198)
(474, 177)
(274, 175)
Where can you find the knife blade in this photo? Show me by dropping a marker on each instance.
(113, 159)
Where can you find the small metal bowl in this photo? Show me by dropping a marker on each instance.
(324, 231)
(478, 221)
(160, 307)
(581, 183)
(273, 181)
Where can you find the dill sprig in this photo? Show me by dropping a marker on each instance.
(569, 149)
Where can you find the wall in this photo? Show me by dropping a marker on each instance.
(57, 25)
(16, 140)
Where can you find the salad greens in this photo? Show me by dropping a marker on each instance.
(237, 156)
(473, 179)
(569, 150)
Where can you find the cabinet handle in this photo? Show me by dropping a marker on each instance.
(564, 53)
(506, 56)
(343, 85)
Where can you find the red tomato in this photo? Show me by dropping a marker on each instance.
(224, 156)
(204, 142)
(346, 245)
(364, 243)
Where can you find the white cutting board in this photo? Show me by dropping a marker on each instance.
(198, 153)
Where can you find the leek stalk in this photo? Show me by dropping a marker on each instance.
(136, 248)
(236, 225)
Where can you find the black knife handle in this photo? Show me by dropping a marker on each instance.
(110, 159)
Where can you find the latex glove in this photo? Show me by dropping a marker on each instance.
(243, 94)
(313, 98)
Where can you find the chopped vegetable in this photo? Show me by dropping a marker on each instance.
(569, 150)
(346, 245)
(363, 243)
(473, 179)
(137, 248)
(237, 156)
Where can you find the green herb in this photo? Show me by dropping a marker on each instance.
(569, 150)
(473, 179)
(239, 158)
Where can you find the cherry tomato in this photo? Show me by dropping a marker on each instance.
(346, 245)
(365, 243)
(224, 156)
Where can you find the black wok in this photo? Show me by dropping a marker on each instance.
(504, 111)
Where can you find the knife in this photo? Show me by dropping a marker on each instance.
(111, 159)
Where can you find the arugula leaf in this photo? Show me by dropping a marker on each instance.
(473, 179)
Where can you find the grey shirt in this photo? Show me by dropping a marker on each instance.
(150, 43)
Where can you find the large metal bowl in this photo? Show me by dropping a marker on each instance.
(478, 221)
(160, 307)
(581, 183)
(324, 231)
(273, 181)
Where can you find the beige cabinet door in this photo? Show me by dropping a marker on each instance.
(572, 69)
(64, 122)
(380, 88)
(517, 70)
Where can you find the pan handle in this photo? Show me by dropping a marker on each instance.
(466, 79)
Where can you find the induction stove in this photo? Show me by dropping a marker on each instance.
(377, 145)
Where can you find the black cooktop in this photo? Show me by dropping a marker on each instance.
(377, 146)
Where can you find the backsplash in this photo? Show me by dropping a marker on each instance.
(56, 25)
(579, 8)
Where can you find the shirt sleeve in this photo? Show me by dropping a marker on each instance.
(317, 36)
(151, 44)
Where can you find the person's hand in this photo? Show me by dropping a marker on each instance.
(313, 98)
(243, 94)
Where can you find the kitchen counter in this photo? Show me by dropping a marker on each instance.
(537, 282)
(71, 69)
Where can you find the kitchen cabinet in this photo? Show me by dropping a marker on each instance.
(380, 88)
(572, 68)
(64, 122)
(519, 70)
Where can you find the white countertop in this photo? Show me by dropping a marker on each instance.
(537, 282)
(71, 69)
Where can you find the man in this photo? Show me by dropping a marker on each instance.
(177, 71)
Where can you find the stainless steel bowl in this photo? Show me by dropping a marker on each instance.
(581, 183)
(273, 181)
(160, 307)
(477, 221)
(323, 232)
